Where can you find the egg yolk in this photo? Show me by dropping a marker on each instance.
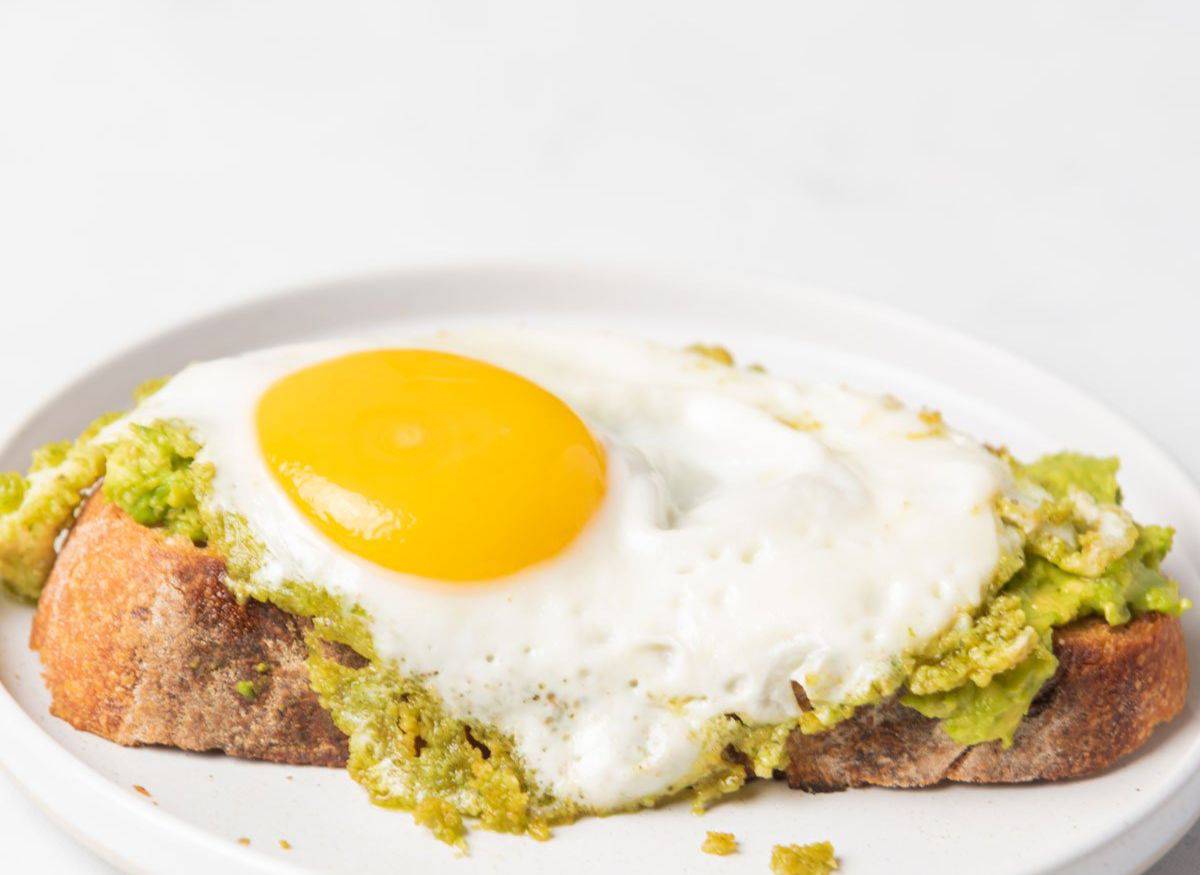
(430, 463)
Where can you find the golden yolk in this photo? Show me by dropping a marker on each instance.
(431, 463)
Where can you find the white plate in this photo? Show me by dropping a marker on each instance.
(1116, 822)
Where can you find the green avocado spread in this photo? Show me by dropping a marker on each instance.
(817, 858)
(1071, 551)
(719, 844)
(1083, 555)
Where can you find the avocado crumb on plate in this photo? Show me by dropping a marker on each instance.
(817, 858)
(720, 844)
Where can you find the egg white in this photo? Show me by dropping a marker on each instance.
(733, 553)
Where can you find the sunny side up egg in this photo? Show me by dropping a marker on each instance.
(532, 518)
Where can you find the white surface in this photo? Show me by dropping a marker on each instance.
(1121, 820)
(1024, 171)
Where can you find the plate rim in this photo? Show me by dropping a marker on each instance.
(165, 834)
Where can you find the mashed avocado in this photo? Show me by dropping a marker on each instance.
(1084, 555)
(720, 844)
(1072, 551)
(410, 754)
(152, 476)
(817, 858)
(35, 508)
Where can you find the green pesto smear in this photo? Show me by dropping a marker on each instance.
(1072, 552)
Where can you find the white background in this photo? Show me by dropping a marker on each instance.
(1028, 172)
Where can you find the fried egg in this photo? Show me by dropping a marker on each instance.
(598, 544)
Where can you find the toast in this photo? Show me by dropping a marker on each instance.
(1113, 686)
(142, 643)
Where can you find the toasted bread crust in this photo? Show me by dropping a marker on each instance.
(1114, 685)
(143, 644)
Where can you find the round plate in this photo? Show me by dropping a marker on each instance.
(199, 806)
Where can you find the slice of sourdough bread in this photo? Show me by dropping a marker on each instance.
(1113, 686)
(142, 644)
